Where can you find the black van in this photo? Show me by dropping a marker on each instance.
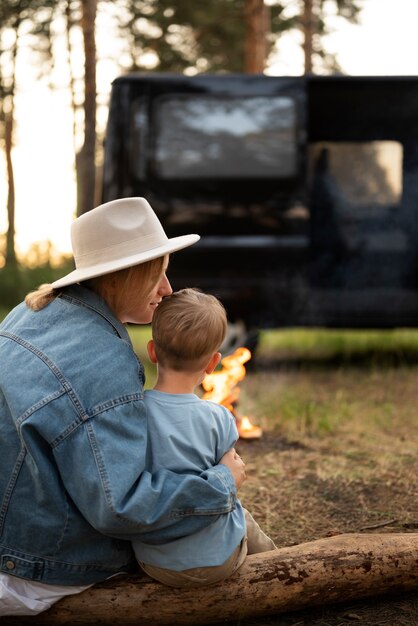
(304, 190)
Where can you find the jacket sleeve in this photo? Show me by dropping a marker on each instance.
(103, 466)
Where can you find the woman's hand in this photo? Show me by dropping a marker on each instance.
(236, 466)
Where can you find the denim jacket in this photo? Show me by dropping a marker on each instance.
(73, 447)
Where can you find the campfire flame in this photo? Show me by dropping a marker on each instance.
(222, 387)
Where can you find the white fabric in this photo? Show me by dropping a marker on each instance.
(24, 597)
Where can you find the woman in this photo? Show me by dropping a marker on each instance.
(73, 490)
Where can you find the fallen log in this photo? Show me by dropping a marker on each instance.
(326, 571)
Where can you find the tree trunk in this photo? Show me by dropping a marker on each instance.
(8, 113)
(257, 27)
(85, 159)
(11, 259)
(308, 22)
(335, 569)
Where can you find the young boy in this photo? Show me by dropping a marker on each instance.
(187, 434)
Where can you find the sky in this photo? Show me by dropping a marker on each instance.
(385, 43)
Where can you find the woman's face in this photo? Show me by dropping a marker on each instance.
(143, 312)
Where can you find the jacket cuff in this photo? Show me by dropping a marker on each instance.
(222, 474)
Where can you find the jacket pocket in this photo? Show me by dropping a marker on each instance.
(23, 568)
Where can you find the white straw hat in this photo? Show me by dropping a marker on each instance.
(115, 235)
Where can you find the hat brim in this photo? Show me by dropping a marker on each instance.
(172, 245)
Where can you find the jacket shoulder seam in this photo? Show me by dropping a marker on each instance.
(53, 368)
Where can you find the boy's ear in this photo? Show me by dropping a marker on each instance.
(151, 351)
(213, 362)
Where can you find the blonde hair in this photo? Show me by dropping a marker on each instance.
(41, 297)
(188, 327)
(123, 289)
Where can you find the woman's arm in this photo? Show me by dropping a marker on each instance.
(103, 466)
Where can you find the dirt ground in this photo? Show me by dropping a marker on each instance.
(350, 464)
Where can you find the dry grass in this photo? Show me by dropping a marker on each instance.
(339, 454)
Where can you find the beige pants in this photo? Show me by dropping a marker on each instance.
(254, 542)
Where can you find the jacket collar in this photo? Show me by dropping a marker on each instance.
(82, 296)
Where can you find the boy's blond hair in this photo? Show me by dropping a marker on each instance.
(187, 328)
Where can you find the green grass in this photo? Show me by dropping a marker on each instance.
(345, 344)
(16, 282)
(140, 335)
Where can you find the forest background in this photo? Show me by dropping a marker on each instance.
(80, 36)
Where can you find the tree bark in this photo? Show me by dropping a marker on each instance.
(11, 259)
(257, 27)
(85, 159)
(340, 568)
(308, 22)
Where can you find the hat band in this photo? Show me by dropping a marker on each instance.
(120, 250)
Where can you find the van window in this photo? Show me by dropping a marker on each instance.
(358, 188)
(224, 137)
(365, 172)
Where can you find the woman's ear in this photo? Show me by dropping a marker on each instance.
(151, 351)
(213, 362)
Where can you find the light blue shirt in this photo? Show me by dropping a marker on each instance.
(188, 435)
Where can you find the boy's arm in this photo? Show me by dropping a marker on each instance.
(227, 431)
(235, 465)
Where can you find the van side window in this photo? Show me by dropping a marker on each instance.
(225, 137)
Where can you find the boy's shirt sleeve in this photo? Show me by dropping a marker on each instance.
(228, 432)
